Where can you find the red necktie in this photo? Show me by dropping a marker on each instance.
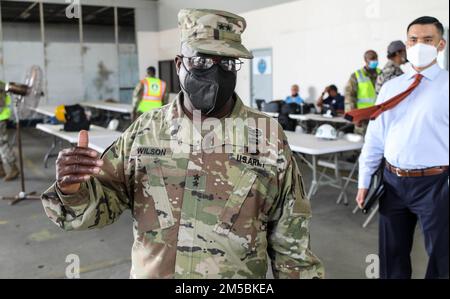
(356, 116)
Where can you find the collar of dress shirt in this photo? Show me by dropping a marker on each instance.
(430, 73)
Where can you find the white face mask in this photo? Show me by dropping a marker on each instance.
(422, 55)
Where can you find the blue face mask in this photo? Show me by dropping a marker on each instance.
(373, 64)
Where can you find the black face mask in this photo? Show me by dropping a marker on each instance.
(209, 90)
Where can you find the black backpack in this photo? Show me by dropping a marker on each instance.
(291, 108)
(285, 121)
(294, 108)
(76, 119)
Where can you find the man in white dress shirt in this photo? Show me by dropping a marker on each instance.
(413, 137)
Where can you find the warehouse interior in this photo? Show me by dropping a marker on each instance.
(94, 53)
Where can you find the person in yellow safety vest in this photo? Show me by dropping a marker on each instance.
(150, 93)
(360, 90)
(7, 155)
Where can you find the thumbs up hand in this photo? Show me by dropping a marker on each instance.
(77, 165)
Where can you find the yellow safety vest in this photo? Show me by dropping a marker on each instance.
(367, 95)
(154, 90)
(5, 112)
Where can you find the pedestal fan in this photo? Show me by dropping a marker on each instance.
(26, 99)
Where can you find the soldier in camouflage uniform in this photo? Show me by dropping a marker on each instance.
(397, 57)
(138, 94)
(7, 155)
(353, 87)
(201, 209)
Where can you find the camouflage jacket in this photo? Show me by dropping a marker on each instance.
(351, 90)
(2, 96)
(389, 72)
(198, 213)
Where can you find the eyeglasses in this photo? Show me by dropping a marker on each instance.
(205, 63)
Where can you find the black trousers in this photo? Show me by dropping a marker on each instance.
(406, 201)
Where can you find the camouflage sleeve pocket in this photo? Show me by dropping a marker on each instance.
(234, 202)
(301, 206)
(152, 209)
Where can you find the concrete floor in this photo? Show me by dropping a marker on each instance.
(32, 247)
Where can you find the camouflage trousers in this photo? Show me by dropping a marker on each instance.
(6, 152)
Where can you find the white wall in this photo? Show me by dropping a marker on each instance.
(319, 42)
(168, 9)
(316, 42)
(169, 45)
(148, 50)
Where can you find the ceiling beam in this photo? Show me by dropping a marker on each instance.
(94, 14)
(26, 13)
(131, 12)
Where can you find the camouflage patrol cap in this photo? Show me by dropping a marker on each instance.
(395, 47)
(213, 32)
